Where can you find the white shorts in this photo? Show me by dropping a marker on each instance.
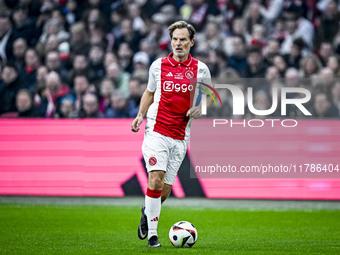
(163, 153)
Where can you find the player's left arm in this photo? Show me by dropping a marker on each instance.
(196, 111)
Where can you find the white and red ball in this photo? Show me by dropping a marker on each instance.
(183, 234)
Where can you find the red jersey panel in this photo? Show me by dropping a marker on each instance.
(170, 80)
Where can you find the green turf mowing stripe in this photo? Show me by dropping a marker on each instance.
(78, 229)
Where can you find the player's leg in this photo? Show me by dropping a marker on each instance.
(153, 205)
(155, 152)
(165, 192)
(176, 156)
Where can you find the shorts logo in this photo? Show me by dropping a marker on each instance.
(152, 161)
(189, 74)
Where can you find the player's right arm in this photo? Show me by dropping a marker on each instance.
(146, 101)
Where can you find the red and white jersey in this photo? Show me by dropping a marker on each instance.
(172, 83)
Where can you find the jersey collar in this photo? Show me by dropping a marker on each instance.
(174, 62)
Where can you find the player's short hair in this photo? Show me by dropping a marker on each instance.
(182, 24)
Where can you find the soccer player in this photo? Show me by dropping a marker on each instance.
(166, 101)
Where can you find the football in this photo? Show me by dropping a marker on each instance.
(183, 234)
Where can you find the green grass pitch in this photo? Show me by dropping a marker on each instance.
(79, 229)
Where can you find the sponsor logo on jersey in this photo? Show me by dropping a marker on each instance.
(169, 74)
(179, 76)
(177, 87)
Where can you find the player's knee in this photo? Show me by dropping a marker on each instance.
(156, 182)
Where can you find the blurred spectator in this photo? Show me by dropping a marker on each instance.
(293, 58)
(96, 57)
(325, 51)
(292, 77)
(116, 17)
(323, 107)
(253, 16)
(217, 62)
(32, 62)
(90, 107)
(25, 106)
(310, 66)
(135, 97)
(258, 36)
(200, 11)
(138, 23)
(170, 12)
(9, 87)
(120, 77)
(81, 87)
(24, 25)
(119, 107)
(125, 55)
(272, 9)
(159, 31)
(271, 50)
(80, 66)
(280, 63)
(141, 61)
(272, 73)
(297, 27)
(325, 81)
(72, 12)
(261, 102)
(128, 35)
(238, 59)
(109, 58)
(213, 36)
(238, 28)
(53, 26)
(329, 24)
(7, 36)
(99, 37)
(55, 90)
(336, 94)
(67, 108)
(107, 87)
(40, 92)
(150, 48)
(19, 49)
(256, 66)
(333, 63)
(279, 31)
(53, 63)
(79, 41)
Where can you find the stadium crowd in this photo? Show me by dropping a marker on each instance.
(90, 59)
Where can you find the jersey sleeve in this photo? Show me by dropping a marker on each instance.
(204, 75)
(152, 80)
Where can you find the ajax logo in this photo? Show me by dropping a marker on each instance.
(189, 74)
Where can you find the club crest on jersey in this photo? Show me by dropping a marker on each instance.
(189, 74)
(152, 160)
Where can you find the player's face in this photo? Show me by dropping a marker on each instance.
(180, 42)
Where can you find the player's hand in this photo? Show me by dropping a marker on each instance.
(194, 112)
(136, 123)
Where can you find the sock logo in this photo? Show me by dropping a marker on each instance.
(155, 219)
